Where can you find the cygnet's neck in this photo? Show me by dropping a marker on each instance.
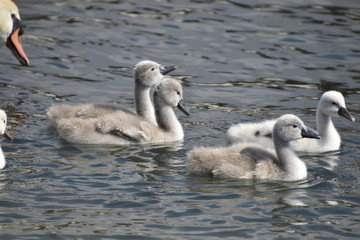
(168, 122)
(327, 131)
(294, 167)
(143, 104)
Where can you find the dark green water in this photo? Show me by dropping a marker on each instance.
(238, 61)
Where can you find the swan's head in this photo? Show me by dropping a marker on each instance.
(332, 103)
(149, 73)
(11, 29)
(290, 128)
(169, 92)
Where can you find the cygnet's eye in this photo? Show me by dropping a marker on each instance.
(178, 93)
(294, 126)
(152, 69)
(13, 16)
(334, 103)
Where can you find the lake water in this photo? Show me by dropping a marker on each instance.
(238, 61)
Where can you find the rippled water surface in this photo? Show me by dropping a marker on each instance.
(238, 61)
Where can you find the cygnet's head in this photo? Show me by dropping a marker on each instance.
(170, 92)
(3, 125)
(3, 122)
(290, 128)
(332, 103)
(149, 72)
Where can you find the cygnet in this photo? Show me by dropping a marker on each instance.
(254, 161)
(146, 74)
(331, 104)
(123, 128)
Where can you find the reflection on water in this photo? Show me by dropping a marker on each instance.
(238, 61)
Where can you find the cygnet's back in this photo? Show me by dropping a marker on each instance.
(120, 127)
(254, 161)
(258, 132)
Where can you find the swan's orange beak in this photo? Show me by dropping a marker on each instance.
(14, 44)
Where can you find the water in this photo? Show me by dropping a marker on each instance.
(239, 61)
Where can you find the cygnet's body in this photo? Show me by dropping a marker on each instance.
(254, 132)
(122, 128)
(146, 74)
(3, 131)
(254, 161)
(11, 29)
(331, 104)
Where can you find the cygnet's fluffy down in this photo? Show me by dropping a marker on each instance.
(254, 161)
(146, 75)
(331, 104)
(258, 132)
(121, 127)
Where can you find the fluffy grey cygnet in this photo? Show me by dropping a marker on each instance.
(122, 128)
(146, 75)
(254, 161)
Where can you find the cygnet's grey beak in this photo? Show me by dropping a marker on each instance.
(7, 135)
(166, 69)
(309, 133)
(181, 106)
(346, 114)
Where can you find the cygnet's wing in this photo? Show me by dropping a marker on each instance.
(126, 136)
(126, 126)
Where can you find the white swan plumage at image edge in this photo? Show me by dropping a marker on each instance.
(5, 133)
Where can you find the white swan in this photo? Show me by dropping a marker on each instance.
(11, 29)
(146, 74)
(122, 128)
(331, 104)
(3, 131)
(253, 161)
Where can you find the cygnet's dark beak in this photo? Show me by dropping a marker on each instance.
(346, 114)
(181, 106)
(166, 69)
(309, 133)
(8, 136)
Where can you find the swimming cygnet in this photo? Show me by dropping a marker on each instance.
(122, 128)
(146, 74)
(254, 161)
(11, 28)
(3, 131)
(331, 104)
